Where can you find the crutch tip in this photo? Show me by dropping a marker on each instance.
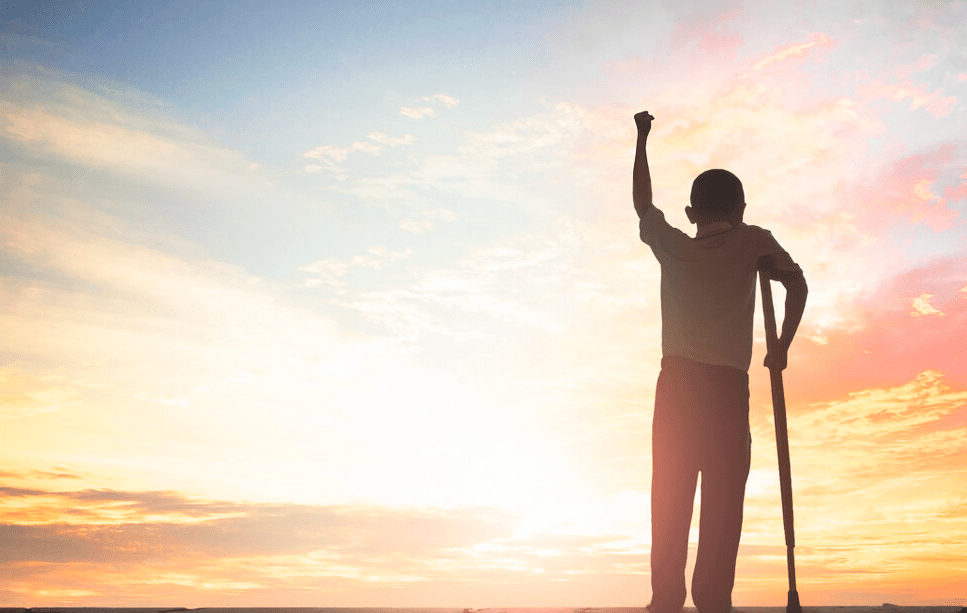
(792, 605)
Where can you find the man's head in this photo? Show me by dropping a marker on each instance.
(717, 195)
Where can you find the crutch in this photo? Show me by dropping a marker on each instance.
(782, 441)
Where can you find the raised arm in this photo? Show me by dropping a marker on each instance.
(641, 176)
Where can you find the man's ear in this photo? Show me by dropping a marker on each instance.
(690, 213)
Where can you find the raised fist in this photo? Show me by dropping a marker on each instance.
(643, 121)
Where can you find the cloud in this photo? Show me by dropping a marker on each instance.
(427, 219)
(936, 102)
(872, 427)
(328, 152)
(52, 119)
(124, 537)
(428, 111)
(22, 395)
(391, 141)
(517, 281)
(164, 286)
(888, 333)
(331, 271)
(867, 436)
(417, 113)
(794, 50)
(118, 526)
(922, 306)
(874, 478)
(906, 186)
(711, 34)
(448, 101)
(328, 155)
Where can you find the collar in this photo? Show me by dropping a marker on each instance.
(716, 227)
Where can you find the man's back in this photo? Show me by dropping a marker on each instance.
(708, 287)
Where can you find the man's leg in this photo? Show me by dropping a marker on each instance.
(725, 469)
(674, 476)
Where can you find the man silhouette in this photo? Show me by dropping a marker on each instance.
(701, 418)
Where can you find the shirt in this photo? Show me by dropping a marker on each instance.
(708, 287)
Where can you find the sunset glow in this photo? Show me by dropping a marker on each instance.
(343, 304)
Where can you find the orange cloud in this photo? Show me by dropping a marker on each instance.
(132, 546)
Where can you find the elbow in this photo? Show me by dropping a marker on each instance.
(799, 290)
(795, 285)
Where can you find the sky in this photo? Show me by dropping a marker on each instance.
(343, 303)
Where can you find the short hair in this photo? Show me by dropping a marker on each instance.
(716, 191)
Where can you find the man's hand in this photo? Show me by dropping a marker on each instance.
(643, 121)
(778, 360)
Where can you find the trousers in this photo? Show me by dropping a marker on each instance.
(700, 425)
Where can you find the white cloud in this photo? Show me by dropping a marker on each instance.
(448, 101)
(417, 113)
(416, 227)
(391, 141)
(426, 220)
(329, 155)
(366, 147)
(428, 111)
(328, 152)
(331, 272)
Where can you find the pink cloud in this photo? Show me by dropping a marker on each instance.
(889, 339)
(795, 50)
(908, 187)
(711, 35)
(957, 193)
(934, 101)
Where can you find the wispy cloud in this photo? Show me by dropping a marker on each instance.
(792, 51)
(447, 101)
(426, 220)
(327, 156)
(428, 111)
(52, 118)
(417, 113)
(52, 540)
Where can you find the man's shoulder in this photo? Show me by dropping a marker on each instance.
(652, 215)
(756, 234)
(752, 229)
(767, 245)
(654, 228)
